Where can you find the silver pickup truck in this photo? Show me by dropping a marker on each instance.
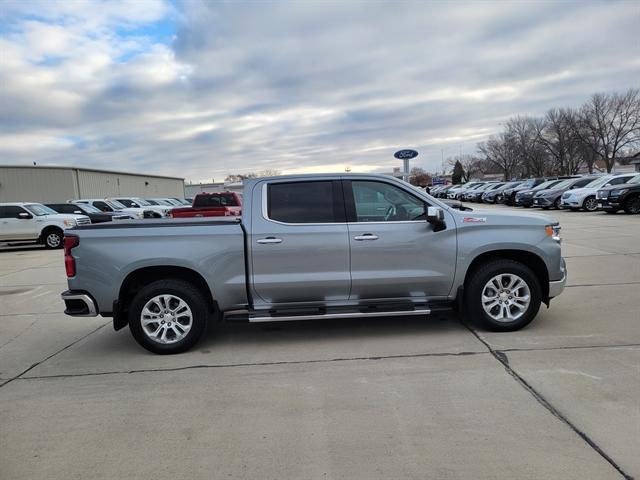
(313, 247)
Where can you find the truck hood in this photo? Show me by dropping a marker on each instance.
(64, 216)
(490, 217)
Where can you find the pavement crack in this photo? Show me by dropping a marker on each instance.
(501, 357)
(568, 347)
(612, 284)
(252, 364)
(6, 382)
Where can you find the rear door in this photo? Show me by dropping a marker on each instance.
(395, 254)
(299, 242)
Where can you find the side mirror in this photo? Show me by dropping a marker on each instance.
(24, 216)
(435, 217)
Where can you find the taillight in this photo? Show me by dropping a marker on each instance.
(70, 262)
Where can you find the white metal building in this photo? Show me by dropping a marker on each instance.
(192, 189)
(59, 184)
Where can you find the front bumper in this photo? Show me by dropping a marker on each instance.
(556, 287)
(609, 204)
(542, 202)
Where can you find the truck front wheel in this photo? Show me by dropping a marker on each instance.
(503, 295)
(168, 316)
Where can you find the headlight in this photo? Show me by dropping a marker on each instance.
(553, 231)
(69, 223)
(617, 193)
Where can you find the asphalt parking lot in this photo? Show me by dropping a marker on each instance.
(364, 399)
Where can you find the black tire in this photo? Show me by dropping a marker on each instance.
(476, 283)
(52, 238)
(590, 204)
(556, 204)
(185, 291)
(611, 212)
(632, 205)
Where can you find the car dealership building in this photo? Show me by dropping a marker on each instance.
(58, 184)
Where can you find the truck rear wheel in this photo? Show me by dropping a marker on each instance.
(503, 295)
(168, 316)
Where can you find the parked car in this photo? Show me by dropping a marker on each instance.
(34, 222)
(221, 204)
(456, 192)
(136, 202)
(624, 196)
(475, 195)
(114, 206)
(495, 195)
(314, 247)
(95, 215)
(442, 192)
(464, 195)
(508, 196)
(552, 196)
(586, 197)
(524, 198)
(169, 202)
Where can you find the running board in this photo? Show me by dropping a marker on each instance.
(286, 318)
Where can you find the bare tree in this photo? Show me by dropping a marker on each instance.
(499, 151)
(609, 124)
(557, 136)
(269, 172)
(532, 157)
(418, 176)
(471, 165)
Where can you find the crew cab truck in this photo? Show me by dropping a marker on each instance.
(219, 204)
(313, 247)
(34, 222)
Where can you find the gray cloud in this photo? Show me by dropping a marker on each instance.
(295, 86)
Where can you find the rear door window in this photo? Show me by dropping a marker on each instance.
(305, 202)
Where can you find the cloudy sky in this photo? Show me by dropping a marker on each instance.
(203, 89)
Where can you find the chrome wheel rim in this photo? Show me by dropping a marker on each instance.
(590, 204)
(53, 240)
(166, 319)
(506, 297)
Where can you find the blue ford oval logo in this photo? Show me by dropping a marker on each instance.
(405, 154)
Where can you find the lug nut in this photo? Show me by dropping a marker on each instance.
(162, 322)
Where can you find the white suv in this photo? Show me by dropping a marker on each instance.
(34, 222)
(585, 197)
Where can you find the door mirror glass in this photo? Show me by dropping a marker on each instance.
(24, 216)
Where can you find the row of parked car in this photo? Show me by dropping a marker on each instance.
(46, 223)
(610, 193)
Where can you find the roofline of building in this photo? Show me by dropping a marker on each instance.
(61, 167)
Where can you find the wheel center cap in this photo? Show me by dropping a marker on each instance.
(503, 296)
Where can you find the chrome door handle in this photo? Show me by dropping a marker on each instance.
(366, 236)
(270, 240)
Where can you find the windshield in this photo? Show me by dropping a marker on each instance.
(635, 179)
(565, 183)
(142, 202)
(546, 184)
(39, 210)
(115, 204)
(598, 182)
(216, 200)
(529, 183)
(88, 208)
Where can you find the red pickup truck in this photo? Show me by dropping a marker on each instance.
(220, 204)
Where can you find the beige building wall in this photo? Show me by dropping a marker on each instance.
(59, 184)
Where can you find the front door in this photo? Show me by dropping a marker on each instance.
(14, 228)
(395, 254)
(299, 242)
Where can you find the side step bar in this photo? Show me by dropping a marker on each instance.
(284, 318)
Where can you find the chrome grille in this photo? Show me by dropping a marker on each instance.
(83, 221)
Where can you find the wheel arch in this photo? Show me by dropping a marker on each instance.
(530, 259)
(49, 228)
(138, 278)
